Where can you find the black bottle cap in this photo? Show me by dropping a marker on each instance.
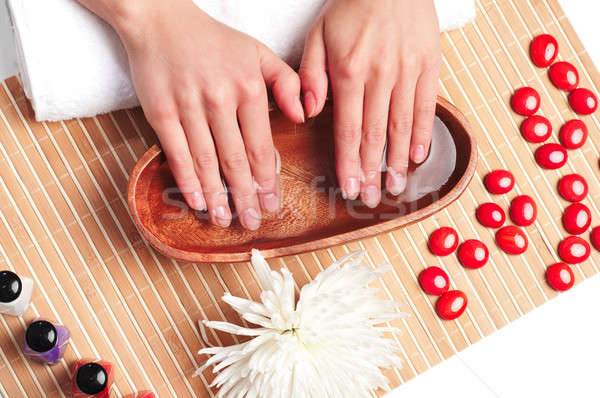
(10, 286)
(91, 378)
(41, 336)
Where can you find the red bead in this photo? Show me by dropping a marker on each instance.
(574, 250)
(564, 76)
(577, 218)
(560, 277)
(551, 156)
(473, 254)
(89, 369)
(443, 241)
(512, 240)
(499, 182)
(595, 237)
(145, 394)
(543, 50)
(451, 305)
(536, 129)
(573, 134)
(523, 210)
(573, 187)
(526, 101)
(491, 215)
(583, 101)
(434, 280)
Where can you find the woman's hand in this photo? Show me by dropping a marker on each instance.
(203, 88)
(383, 60)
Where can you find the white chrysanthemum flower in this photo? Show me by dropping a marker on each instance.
(325, 345)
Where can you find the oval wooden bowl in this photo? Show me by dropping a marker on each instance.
(313, 214)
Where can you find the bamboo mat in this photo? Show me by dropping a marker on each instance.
(64, 222)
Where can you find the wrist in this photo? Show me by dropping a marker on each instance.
(128, 18)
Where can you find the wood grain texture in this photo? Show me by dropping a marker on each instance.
(65, 222)
(313, 213)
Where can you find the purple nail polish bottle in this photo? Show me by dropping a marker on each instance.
(45, 341)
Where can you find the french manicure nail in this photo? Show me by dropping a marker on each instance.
(222, 216)
(252, 219)
(198, 202)
(396, 182)
(351, 188)
(418, 154)
(310, 104)
(371, 196)
(271, 202)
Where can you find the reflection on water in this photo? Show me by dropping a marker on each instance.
(432, 174)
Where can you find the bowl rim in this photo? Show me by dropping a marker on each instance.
(317, 244)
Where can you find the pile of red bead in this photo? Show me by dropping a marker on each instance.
(435, 281)
(543, 51)
(511, 239)
(573, 134)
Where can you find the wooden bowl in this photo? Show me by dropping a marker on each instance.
(313, 214)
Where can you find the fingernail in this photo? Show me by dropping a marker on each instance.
(271, 202)
(198, 202)
(299, 110)
(418, 154)
(310, 103)
(396, 182)
(351, 189)
(371, 196)
(251, 219)
(222, 216)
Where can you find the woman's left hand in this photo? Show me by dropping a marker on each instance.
(383, 60)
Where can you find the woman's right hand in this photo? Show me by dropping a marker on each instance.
(203, 88)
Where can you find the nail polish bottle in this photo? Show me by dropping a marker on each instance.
(45, 341)
(15, 293)
(92, 379)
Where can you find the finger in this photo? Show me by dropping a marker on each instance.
(347, 126)
(235, 167)
(284, 84)
(374, 135)
(425, 103)
(313, 72)
(206, 166)
(253, 116)
(174, 144)
(399, 133)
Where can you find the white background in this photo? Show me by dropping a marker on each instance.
(551, 352)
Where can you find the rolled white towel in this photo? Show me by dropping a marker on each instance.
(73, 64)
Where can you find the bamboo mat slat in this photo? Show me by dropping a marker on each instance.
(64, 222)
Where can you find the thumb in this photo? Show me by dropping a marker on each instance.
(313, 72)
(284, 84)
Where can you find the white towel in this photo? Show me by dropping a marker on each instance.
(73, 64)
